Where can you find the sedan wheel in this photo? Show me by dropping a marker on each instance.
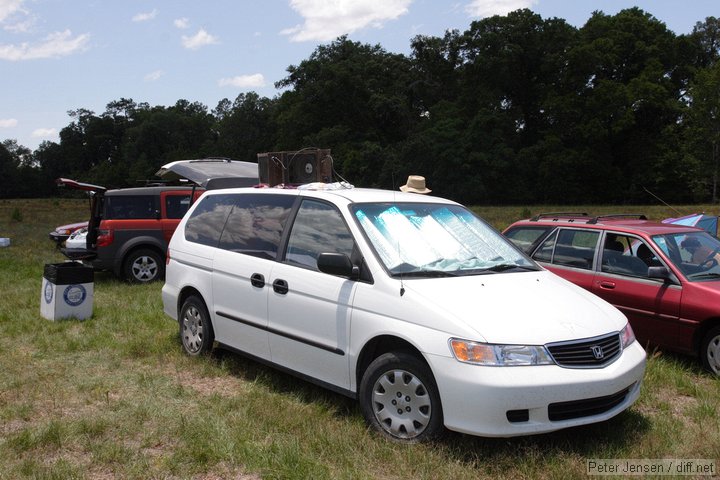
(196, 332)
(711, 350)
(399, 398)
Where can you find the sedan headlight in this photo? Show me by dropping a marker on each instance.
(493, 355)
(627, 336)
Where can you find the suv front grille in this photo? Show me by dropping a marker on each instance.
(586, 353)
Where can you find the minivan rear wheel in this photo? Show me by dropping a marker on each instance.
(710, 350)
(196, 332)
(143, 265)
(399, 398)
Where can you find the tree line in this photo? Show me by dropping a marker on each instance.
(517, 109)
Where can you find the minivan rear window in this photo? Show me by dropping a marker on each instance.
(251, 224)
(208, 219)
(255, 224)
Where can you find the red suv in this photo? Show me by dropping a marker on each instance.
(665, 278)
(129, 228)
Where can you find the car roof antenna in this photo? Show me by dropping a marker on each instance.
(662, 201)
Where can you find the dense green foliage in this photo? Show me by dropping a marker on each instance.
(517, 109)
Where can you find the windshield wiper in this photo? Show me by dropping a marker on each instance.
(704, 275)
(503, 267)
(425, 274)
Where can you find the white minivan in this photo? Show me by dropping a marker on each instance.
(409, 303)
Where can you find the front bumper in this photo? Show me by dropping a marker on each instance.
(512, 401)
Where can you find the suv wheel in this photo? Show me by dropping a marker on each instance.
(196, 332)
(399, 398)
(710, 350)
(144, 265)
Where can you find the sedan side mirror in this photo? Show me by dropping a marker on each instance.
(661, 273)
(337, 264)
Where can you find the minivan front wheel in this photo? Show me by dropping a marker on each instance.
(710, 350)
(196, 332)
(143, 266)
(399, 398)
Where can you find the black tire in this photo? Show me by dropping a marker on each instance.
(196, 331)
(399, 398)
(710, 350)
(143, 266)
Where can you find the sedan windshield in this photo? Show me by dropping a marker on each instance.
(695, 253)
(426, 239)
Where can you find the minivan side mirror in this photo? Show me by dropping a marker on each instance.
(337, 264)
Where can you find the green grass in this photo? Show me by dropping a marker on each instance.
(113, 396)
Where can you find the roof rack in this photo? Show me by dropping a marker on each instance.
(558, 214)
(617, 215)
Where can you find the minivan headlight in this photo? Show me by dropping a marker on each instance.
(493, 355)
(627, 336)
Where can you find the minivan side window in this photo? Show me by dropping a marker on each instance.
(255, 224)
(208, 219)
(318, 228)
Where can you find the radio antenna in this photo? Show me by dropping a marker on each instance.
(663, 201)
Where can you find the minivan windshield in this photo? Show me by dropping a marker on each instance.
(430, 239)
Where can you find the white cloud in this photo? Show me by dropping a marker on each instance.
(488, 8)
(44, 132)
(8, 122)
(152, 76)
(328, 19)
(58, 44)
(20, 27)
(181, 23)
(14, 18)
(144, 17)
(9, 8)
(243, 81)
(200, 39)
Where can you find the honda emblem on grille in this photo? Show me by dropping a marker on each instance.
(597, 352)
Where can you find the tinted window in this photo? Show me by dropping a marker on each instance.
(318, 228)
(255, 224)
(124, 207)
(627, 255)
(527, 238)
(176, 205)
(573, 248)
(208, 219)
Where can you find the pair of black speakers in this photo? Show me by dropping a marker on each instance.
(295, 168)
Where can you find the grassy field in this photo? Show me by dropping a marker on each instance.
(113, 397)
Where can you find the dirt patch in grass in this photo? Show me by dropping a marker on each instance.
(224, 387)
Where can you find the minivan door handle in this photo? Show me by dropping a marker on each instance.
(257, 280)
(280, 286)
(607, 285)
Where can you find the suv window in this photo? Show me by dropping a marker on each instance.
(176, 205)
(127, 207)
(255, 224)
(570, 247)
(318, 228)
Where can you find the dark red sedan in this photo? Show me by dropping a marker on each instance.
(665, 278)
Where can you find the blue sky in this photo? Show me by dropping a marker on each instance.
(60, 55)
